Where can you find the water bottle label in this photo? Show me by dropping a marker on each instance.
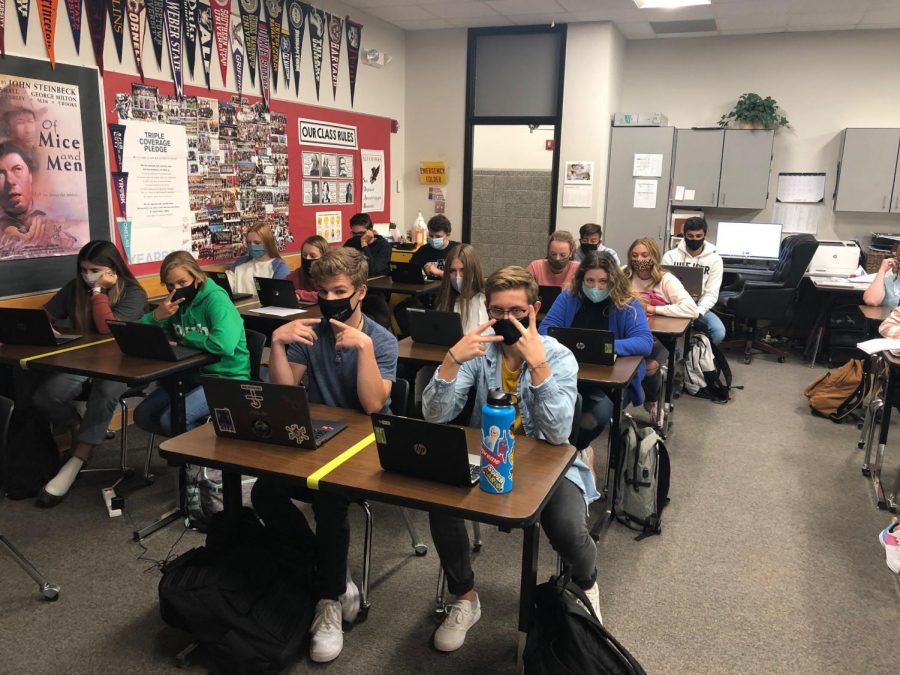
(496, 455)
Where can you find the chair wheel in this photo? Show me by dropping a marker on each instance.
(50, 592)
(420, 550)
(476, 548)
(866, 472)
(780, 359)
(860, 445)
(747, 360)
(363, 614)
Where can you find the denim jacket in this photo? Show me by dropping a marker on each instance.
(546, 409)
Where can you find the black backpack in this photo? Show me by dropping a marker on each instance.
(707, 373)
(32, 458)
(565, 635)
(245, 597)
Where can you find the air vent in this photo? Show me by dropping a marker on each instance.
(693, 26)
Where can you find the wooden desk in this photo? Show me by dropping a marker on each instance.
(267, 324)
(539, 468)
(23, 355)
(388, 285)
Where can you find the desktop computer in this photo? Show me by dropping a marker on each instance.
(748, 241)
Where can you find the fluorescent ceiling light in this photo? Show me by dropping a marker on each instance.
(669, 4)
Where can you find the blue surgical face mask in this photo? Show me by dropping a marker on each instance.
(436, 242)
(256, 250)
(595, 294)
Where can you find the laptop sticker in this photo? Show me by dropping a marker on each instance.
(261, 429)
(380, 436)
(296, 433)
(225, 421)
(253, 395)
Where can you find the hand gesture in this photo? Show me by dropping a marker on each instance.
(888, 265)
(299, 330)
(530, 346)
(108, 280)
(167, 308)
(473, 344)
(346, 337)
(368, 237)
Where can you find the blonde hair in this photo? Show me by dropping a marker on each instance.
(562, 235)
(511, 278)
(181, 259)
(656, 272)
(268, 239)
(341, 260)
(618, 284)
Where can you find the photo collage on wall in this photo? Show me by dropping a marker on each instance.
(327, 178)
(237, 165)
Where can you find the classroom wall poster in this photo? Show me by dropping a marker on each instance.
(328, 225)
(372, 180)
(44, 195)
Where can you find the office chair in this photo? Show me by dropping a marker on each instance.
(748, 302)
(48, 590)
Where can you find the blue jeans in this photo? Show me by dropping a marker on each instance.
(712, 325)
(154, 414)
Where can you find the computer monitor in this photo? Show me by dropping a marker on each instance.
(749, 240)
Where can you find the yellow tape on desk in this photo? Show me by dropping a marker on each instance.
(23, 363)
(246, 303)
(313, 481)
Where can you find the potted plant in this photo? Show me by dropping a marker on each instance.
(752, 111)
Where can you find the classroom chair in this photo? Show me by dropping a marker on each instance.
(48, 590)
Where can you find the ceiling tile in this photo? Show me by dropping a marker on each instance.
(596, 5)
(422, 24)
(636, 29)
(480, 21)
(368, 4)
(807, 6)
(744, 8)
(850, 18)
(513, 7)
(453, 10)
(538, 19)
(403, 13)
(749, 23)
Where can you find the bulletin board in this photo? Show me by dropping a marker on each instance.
(217, 233)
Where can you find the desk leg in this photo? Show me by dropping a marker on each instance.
(613, 451)
(670, 387)
(882, 437)
(530, 548)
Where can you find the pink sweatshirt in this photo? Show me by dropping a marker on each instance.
(540, 270)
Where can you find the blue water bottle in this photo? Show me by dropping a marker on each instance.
(497, 442)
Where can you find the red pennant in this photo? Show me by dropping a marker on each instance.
(221, 12)
(96, 15)
(47, 9)
(137, 21)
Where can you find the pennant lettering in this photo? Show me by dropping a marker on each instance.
(120, 181)
(296, 23)
(47, 9)
(237, 54)
(354, 41)
(205, 31)
(22, 7)
(96, 16)
(335, 33)
(286, 58)
(117, 20)
(274, 10)
(250, 22)
(125, 235)
(190, 32)
(117, 131)
(221, 14)
(316, 20)
(3, 28)
(155, 13)
(265, 54)
(137, 20)
(173, 29)
(73, 9)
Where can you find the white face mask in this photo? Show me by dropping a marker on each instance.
(456, 282)
(91, 278)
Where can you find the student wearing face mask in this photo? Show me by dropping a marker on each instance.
(313, 248)
(558, 268)
(372, 245)
(600, 298)
(591, 236)
(351, 362)
(695, 251)
(199, 314)
(103, 289)
(434, 253)
(262, 260)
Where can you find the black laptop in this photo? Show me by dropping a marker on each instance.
(267, 413)
(548, 295)
(278, 293)
(433, 327)
(29, 327)
(406, 273)
(148, 341)
(588, 345)
(690, 277)
(221, 278)
(436, 452)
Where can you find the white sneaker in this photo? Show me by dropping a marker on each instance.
(891, 542)
(350, 601)
(593, 594)
(461, 616)
(327, 636)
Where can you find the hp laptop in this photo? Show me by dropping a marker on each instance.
(29, 327)
(278, 293)
(148, 341)
(548, 295)
(221, 278)
(690, 277)
(588, 346)
(267, 413)
(434, 327)
(436, 452)
(406, 273)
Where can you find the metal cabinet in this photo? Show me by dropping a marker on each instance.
(746, 164)
(698, 160)
(867, 177)
(622, 222)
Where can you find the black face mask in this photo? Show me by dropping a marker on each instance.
(587, 248)
(306, 266)
(508, 331)
(339, 309)
(694, 244)
(186, 292)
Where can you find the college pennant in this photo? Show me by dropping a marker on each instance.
(47, 10)
(117, 132)
(265, 54)
(120, 181)
(155, 13)
(3, 27)
(250, 22)
(274, 10)
(221, 17)
(189, 12)
(22, 7)
(335, 34)
(237, 54)
(316, 20)
(205, 31)
(73, 9)
(136, 11)
(286, 58)
(173, 29)
(354, 40)
(296, 20)
(96, 16)
(117, 21)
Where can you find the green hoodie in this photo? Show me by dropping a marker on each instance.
(211, 323)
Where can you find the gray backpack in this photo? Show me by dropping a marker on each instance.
(643, 488)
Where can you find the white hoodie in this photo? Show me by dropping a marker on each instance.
(710, 261)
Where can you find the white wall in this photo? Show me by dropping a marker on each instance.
(824, 82)
(512, 147)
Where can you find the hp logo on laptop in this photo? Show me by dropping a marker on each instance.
(420, 449)
(579, 345)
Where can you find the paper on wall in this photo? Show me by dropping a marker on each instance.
(689, 195)
(645, 194)
(649, 165)
(578, 196)
(798, 218)
(679, 193)
(801, 187)
(373, 171)
(328, 225)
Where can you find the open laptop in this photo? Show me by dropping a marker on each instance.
(278, 293)
(267, 413)
(406, 273)
(436, 452)
(548, 295)
(148, 341)
(690, 277)
(433, 327)
(221, 278)
(29, 327)
(588, 345)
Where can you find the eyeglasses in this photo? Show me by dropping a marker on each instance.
(502, 313)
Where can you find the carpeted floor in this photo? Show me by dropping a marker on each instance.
(768, 563)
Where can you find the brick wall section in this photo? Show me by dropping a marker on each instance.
(510, 216)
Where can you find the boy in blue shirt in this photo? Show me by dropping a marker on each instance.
(351, 362)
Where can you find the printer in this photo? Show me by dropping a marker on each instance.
(834, 259)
